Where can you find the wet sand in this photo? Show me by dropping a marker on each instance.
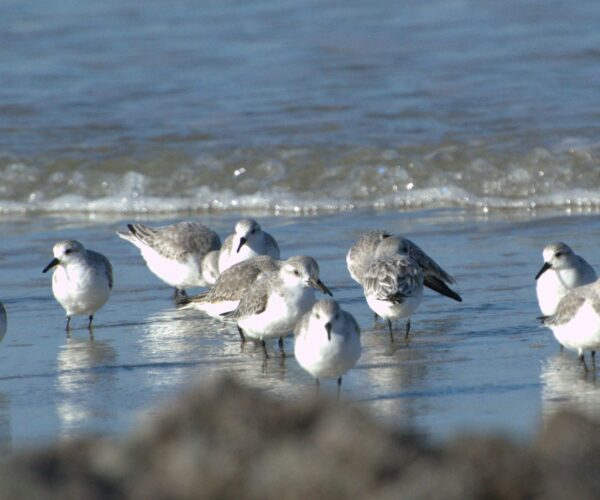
(482, 365)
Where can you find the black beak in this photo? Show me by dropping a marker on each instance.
(544, 268)
(319, 285)
(242, 243)
(53, 262)
(328, 328)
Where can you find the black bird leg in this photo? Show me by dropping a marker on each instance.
(264, 346)
(582, 361)
(389, 322)
(281, 347)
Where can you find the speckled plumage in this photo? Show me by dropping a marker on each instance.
(231, 286)
(380, 243)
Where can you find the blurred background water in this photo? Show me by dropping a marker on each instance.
(469, 126)
(137, 107)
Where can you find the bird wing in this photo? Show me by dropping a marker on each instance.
(177, 241)
(393, 278)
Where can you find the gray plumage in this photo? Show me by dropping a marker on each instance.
(572, 302)
(393, 278)
(255, 300)
(377, 244)
(176, 241)
(99, 260)
(233, 283)
(362, 252)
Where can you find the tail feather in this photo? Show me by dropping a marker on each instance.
(437, 285)
(181, 301)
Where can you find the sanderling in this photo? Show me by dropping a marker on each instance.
(82, 280)
(327, 341)
(277, 300)
(362, 253)
(230, 287)
(175, 253)
(248, 240)
(393, 287)
(562, 271)
(576, 322)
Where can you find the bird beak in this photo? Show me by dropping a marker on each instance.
(319, 285)
(53, 262)
(242, 243)
(328, 328)
(544, 268)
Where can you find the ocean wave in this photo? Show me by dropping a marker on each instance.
(305, 180)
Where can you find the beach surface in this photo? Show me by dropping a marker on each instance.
(482, 365)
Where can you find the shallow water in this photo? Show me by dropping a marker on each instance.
(471, 127)
(482, 365)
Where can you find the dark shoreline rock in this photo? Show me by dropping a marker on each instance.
(224, 440)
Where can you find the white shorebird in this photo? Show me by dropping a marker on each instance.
(82, 279)
(176, 253)
(362, 253)
(562, 271)
(230, 287)
(393, 286)
(248, 240)
(277, 300)
(327, 342)
(576, 322)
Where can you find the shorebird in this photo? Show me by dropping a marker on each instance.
(277, 300)
(176, 253)
(562, 271)
(327, 342)
(248, 240)
(82, 279)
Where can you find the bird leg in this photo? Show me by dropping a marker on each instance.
(389, 322)
(264, 346)
(68, 327)
(582, 361)
(339, 387)
(318, 386)
(241, 332)
(281, 347)
(407, 328)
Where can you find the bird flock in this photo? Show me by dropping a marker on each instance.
(267, 298)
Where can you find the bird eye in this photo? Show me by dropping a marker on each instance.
(296, 272)
(253, 231)
(318, 316)
(68, 251)
(336, 316)
(558, 254)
